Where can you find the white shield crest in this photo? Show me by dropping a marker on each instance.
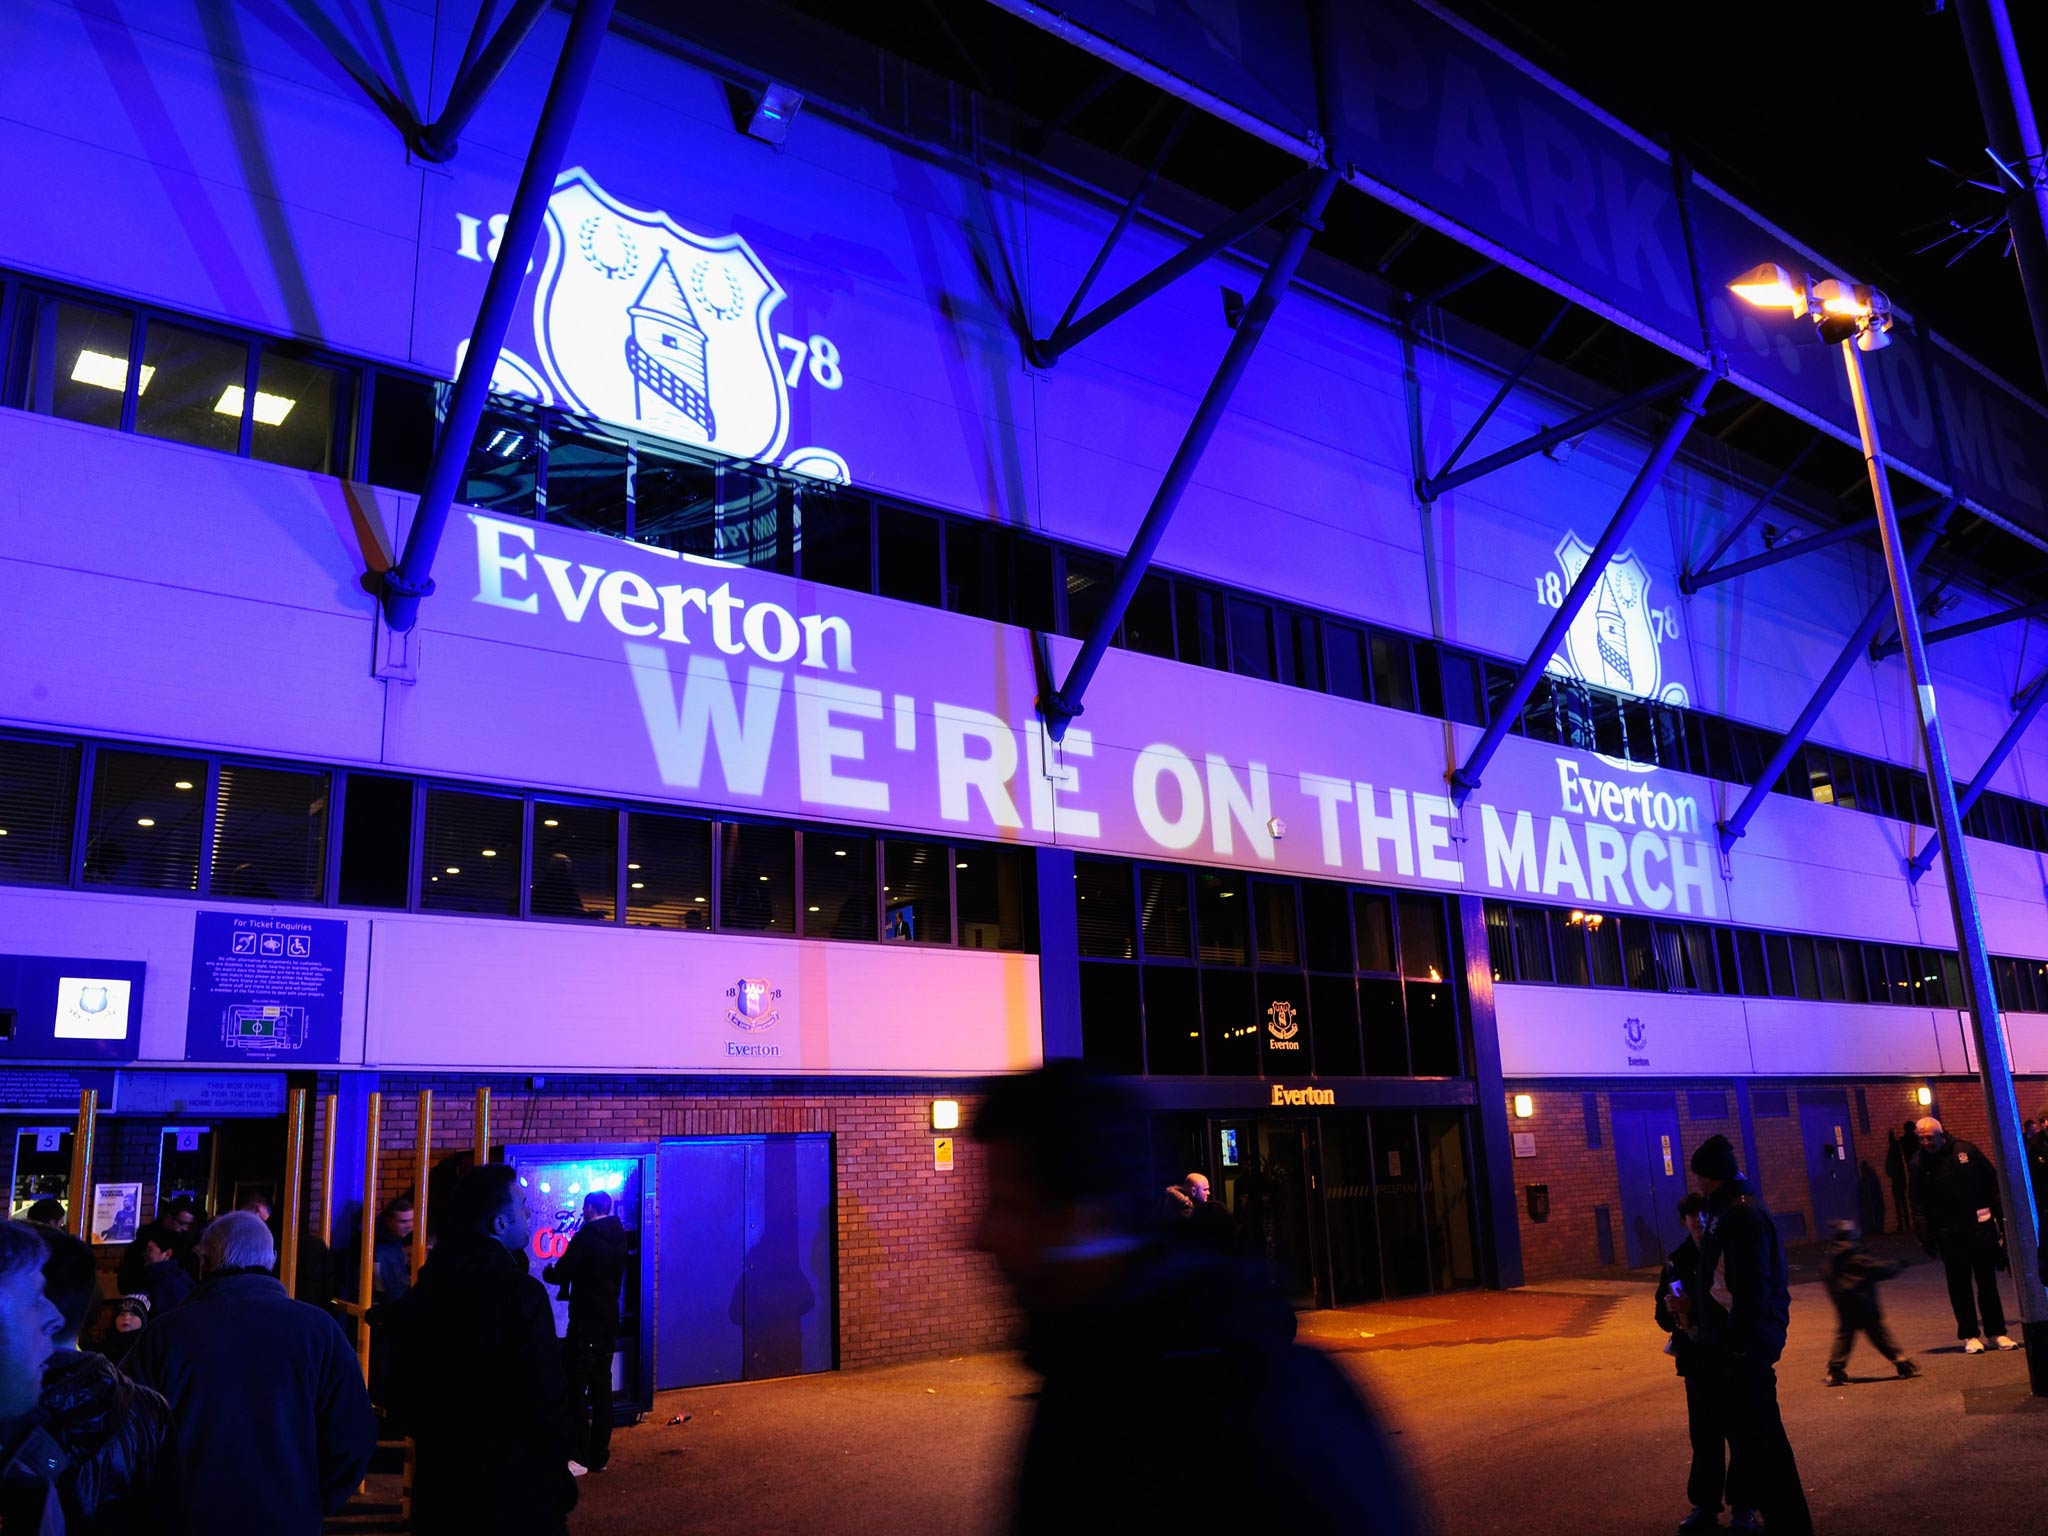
(644, 323)
(1611, 644)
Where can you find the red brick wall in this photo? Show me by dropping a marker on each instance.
(1579, 1177)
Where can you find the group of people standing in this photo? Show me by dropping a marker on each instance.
(240, 1408)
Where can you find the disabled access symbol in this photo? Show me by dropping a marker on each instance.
(298, 946)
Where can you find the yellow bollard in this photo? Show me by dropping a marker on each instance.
(294, 1191)
(81, 1160)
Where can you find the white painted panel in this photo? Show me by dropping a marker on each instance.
(455, 993)
(1838, 1039)
(1592, 1032)
(2027, 1034)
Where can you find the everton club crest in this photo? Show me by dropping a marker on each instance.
(1282, 1026)
(750, 1004)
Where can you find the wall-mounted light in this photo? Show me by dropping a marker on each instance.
(1525, 1106)
(1925, 1096)
(773, 113)
(945, 1114)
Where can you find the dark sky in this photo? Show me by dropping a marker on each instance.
(1823, 119)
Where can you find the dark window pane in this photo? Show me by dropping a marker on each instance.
(586, 481)
(376, 841)
(1668, 730)
(1148, 622)
(1230, 1022)
(1279, 940)
(1756, 980)
(1198, 621)
(143, 829)
(1251, 638)
(1843, 773)
(502, 473)
(1031, 586)
(1828, 960)
(1221, 923)
(832, 538)
(1102, 906)
(907, 556)
(1778, 951)
(402, 427)
(1539, 715)
(1608, 737)
(1731, 969)
(1326, 916)
(1168, 933)
(1639, 954)
(998, 893)
(756, 877)
(1805, 968)
(1855, 978)
(1927, 980)
(1333, 1003)
(456, 876)
(1385, 1025)
(1350, 676)
(1393, 680)
(1372, 914)
(1429, 686)
(672, 886)
(974, 573)
(74, 360)
(1087, 579)
(1532, 944)
(1173, 1020)
(270, 833)
(1877, 987)
(757, 520)
(1699, 954)
(1110, 1034)
(917, 892)
(1433, 1029)
(1897, 972)
(192, 387)
(38, 801)
(1603, 939)
(1301, 663)
(2005, 981)
(839, 886)
(1500, 941)
(1952, 979)
(675, 502)
(1464, 687)
(1286, 1033)
(1568, 949)
(1720, 748)
(575, 862)
(1424, 952)
(303, 410)
(1638, 737)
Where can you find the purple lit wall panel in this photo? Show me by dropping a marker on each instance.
(158, 932)
(2027, 1035)
(1570, 1032)
(1816, 869)
(1787, 1038)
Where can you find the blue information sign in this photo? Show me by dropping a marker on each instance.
(265, 988)
(57, 1009)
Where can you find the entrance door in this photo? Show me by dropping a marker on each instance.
(1830, 1155)
(1651, 1163)
(1268, 1181)
(745, 1271)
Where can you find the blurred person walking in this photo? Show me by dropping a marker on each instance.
(1852, 1276)
(1140, 1337)
(274, 1427)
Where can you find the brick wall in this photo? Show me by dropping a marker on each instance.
(1580, 1178)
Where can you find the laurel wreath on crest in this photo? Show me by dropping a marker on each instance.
(700, 285)
(621, 258)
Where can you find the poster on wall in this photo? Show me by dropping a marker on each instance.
(116, 1212)
(265, 989)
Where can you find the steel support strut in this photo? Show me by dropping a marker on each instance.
(1550, 437)
(481, 68)
(1741, 524)
(1994, 1059)
(2030, 704)
(1065, 703)
(2015, 135)
(1466, 779)
(1506, 388)
(1806, 546)
(1853, 649)
(412, 578)
(1971, 626)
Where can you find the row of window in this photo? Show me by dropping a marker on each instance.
(1577, 948)
(139, 371)
(90, 815)
(1189, 972)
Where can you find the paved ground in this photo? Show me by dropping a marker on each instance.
(1550, 1409)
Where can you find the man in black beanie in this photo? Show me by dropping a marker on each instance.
(1738, 1318)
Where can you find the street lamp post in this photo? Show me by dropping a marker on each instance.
(1855, 318)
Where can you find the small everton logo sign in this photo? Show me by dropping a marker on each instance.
(1282, 1025)
(751, 1004)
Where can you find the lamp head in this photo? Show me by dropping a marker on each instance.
(1771, 286)
(1853, 309)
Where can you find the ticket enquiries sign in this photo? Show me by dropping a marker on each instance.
(265, 989)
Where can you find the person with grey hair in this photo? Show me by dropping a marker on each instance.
(29, 1324)
(274, 1425)
(1957, 1216)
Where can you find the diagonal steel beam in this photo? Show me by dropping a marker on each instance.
(1289, 194)
(1854, 529)
(2030, 704)
(1466, 779)
(1852, 651)
(1741, 524)
(436, 140)
(1550, 437)
(1975, 626)
(412, 578)
(1061, 707)
(1123, 219)
(1506, 388)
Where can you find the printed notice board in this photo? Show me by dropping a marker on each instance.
(265, 988)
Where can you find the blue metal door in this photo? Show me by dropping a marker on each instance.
(746, 1280)
(1830, 1156)
(1651, 1164)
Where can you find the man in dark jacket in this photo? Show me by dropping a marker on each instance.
(1738, 1317)
(589, 1275)
(121, 1471)
(1139, 1337)
(29, 1459)
(1712, 1476)
(273, 1423)
(165, 1278)
(1955, 1214)
(476, 1375)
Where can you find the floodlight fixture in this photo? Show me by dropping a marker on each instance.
(1840, 310)
(773, 112)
